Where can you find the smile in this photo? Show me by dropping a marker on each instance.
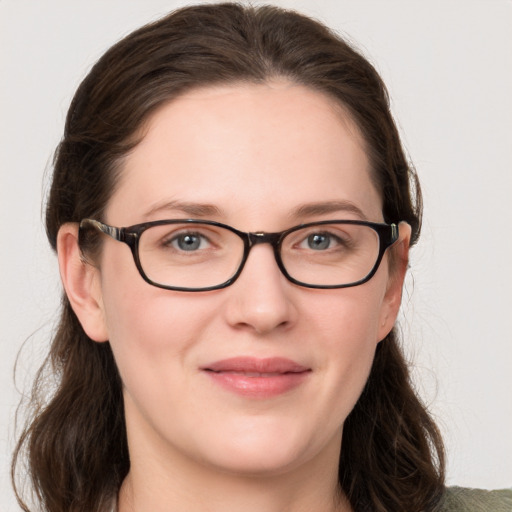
(257, 378)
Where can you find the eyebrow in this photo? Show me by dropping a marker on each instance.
(205, 210)
(327, 207)
(191, 209)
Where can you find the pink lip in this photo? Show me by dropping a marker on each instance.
(257, 378)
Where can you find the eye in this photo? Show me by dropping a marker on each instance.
(320, 241)
(188, 242)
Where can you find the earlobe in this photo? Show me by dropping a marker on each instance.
(397, 271)
(81, 283)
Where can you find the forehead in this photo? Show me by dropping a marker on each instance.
(249, 150)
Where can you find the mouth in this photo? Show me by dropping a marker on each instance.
(257, 378)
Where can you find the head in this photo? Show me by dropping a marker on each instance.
(221, 74)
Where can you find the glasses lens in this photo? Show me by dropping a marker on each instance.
(190, 255)
(330, 254)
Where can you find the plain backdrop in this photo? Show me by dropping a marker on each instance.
(448, 68)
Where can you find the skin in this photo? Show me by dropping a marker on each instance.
(256, 153)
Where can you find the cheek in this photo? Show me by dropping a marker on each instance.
(349, 318)
(150, 329)
(139, 317)
(151, 324)
(348, 332)
(154, 338)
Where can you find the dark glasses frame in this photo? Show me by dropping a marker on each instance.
(388, 234)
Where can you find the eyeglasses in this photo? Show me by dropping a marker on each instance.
(197, 255)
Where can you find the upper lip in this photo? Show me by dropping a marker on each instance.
(256, 365)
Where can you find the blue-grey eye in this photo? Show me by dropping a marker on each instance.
(319, 241)
(188, 242)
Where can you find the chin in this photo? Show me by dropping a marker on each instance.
(261, 450)
(261, 464)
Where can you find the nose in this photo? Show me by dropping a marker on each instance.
(261, 299)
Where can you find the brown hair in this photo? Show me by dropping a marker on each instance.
(75, 441)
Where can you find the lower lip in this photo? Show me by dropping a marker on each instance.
(258, 387)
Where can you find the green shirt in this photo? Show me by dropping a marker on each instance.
(460, 499)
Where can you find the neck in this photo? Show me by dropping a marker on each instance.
(161, 482)
(290, 493)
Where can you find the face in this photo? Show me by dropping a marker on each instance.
(256, 157)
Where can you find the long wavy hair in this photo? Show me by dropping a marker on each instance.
(74, 446)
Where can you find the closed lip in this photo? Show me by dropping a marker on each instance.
(273, 365)
(252, 377)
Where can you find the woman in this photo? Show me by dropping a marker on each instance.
(200, 368)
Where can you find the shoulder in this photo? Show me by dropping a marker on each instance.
(461, 499)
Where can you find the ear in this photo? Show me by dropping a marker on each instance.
(81, 280)
(399, 259)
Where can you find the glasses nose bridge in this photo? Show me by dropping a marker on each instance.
(260, 237)
(256, 238)
(264, 238)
